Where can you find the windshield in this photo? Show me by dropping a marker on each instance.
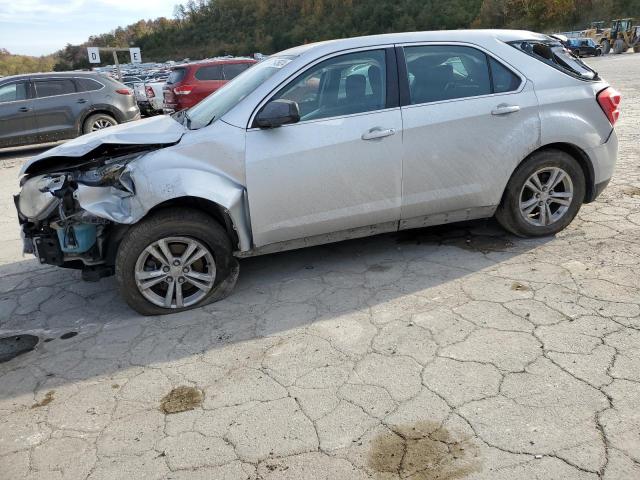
(223, 99)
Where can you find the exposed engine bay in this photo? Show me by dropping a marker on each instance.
(55, 227)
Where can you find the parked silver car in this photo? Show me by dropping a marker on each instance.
(325, 142)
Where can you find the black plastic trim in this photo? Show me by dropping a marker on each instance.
(393, 95)
(403, 77)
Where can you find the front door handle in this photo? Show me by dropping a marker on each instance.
(24, 109)
(376, 132)
(82, 100)
(504, 109)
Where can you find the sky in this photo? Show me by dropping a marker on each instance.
(40, 27)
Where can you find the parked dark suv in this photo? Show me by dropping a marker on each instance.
(190, 83)
(46, 107)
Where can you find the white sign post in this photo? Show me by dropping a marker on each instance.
(94, 54)
(135, 55)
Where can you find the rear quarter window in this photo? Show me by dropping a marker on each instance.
(232, 70)
(88, 85)
(210, 72)
(554, 54)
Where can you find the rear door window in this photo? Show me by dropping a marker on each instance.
(232, 70)
(13, 92)
(54, 87)
(176, 75)
(504, 80)
(445, 72)
(211, 72)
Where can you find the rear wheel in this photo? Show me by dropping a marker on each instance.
(175, 260)
(543, 195)
(97, 122)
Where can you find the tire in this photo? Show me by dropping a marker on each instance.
(598, 52)
(91, 124)
(533, 224)
(619, 46)
(636, 49)
(135, 267)
(606, 47)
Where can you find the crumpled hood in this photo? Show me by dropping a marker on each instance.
(159, 130)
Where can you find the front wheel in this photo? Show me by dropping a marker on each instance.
(606, 47)
(175, 260)
(543, 195)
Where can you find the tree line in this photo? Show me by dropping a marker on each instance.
(15, 64)
(206, 28)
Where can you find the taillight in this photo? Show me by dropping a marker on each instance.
(184, 90)
(150, 93)
(609, 100)
(124, 91)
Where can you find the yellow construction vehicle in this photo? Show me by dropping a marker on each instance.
(622, 36)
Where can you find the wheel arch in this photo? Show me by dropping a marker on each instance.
(578, 154)
(208, 207)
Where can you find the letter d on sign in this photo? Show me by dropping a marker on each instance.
(94, 54)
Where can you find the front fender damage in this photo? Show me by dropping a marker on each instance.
(72, 210)
(153, 181)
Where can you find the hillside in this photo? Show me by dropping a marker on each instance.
(207, 28)
(14, 64)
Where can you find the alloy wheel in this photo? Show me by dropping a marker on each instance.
(175, 272)
(546, 196)
(100, 123)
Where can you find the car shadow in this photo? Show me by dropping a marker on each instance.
(86, 330)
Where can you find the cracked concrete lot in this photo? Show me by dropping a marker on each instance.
(444, 353)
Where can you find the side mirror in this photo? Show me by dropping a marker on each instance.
(277, 113)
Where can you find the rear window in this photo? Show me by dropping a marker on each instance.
(232, 70)
(211, 72)
(176, 75)
(553, 53)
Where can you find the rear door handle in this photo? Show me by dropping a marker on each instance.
(24, 109)
(375, 133)
(504, 109)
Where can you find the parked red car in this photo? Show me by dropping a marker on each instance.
(188, 84)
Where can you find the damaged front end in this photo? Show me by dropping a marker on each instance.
(56, 229)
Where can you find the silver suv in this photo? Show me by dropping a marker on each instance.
(47, 107)
(325, 142)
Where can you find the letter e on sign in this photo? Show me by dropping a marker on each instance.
(135, 55)
(94, 54)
